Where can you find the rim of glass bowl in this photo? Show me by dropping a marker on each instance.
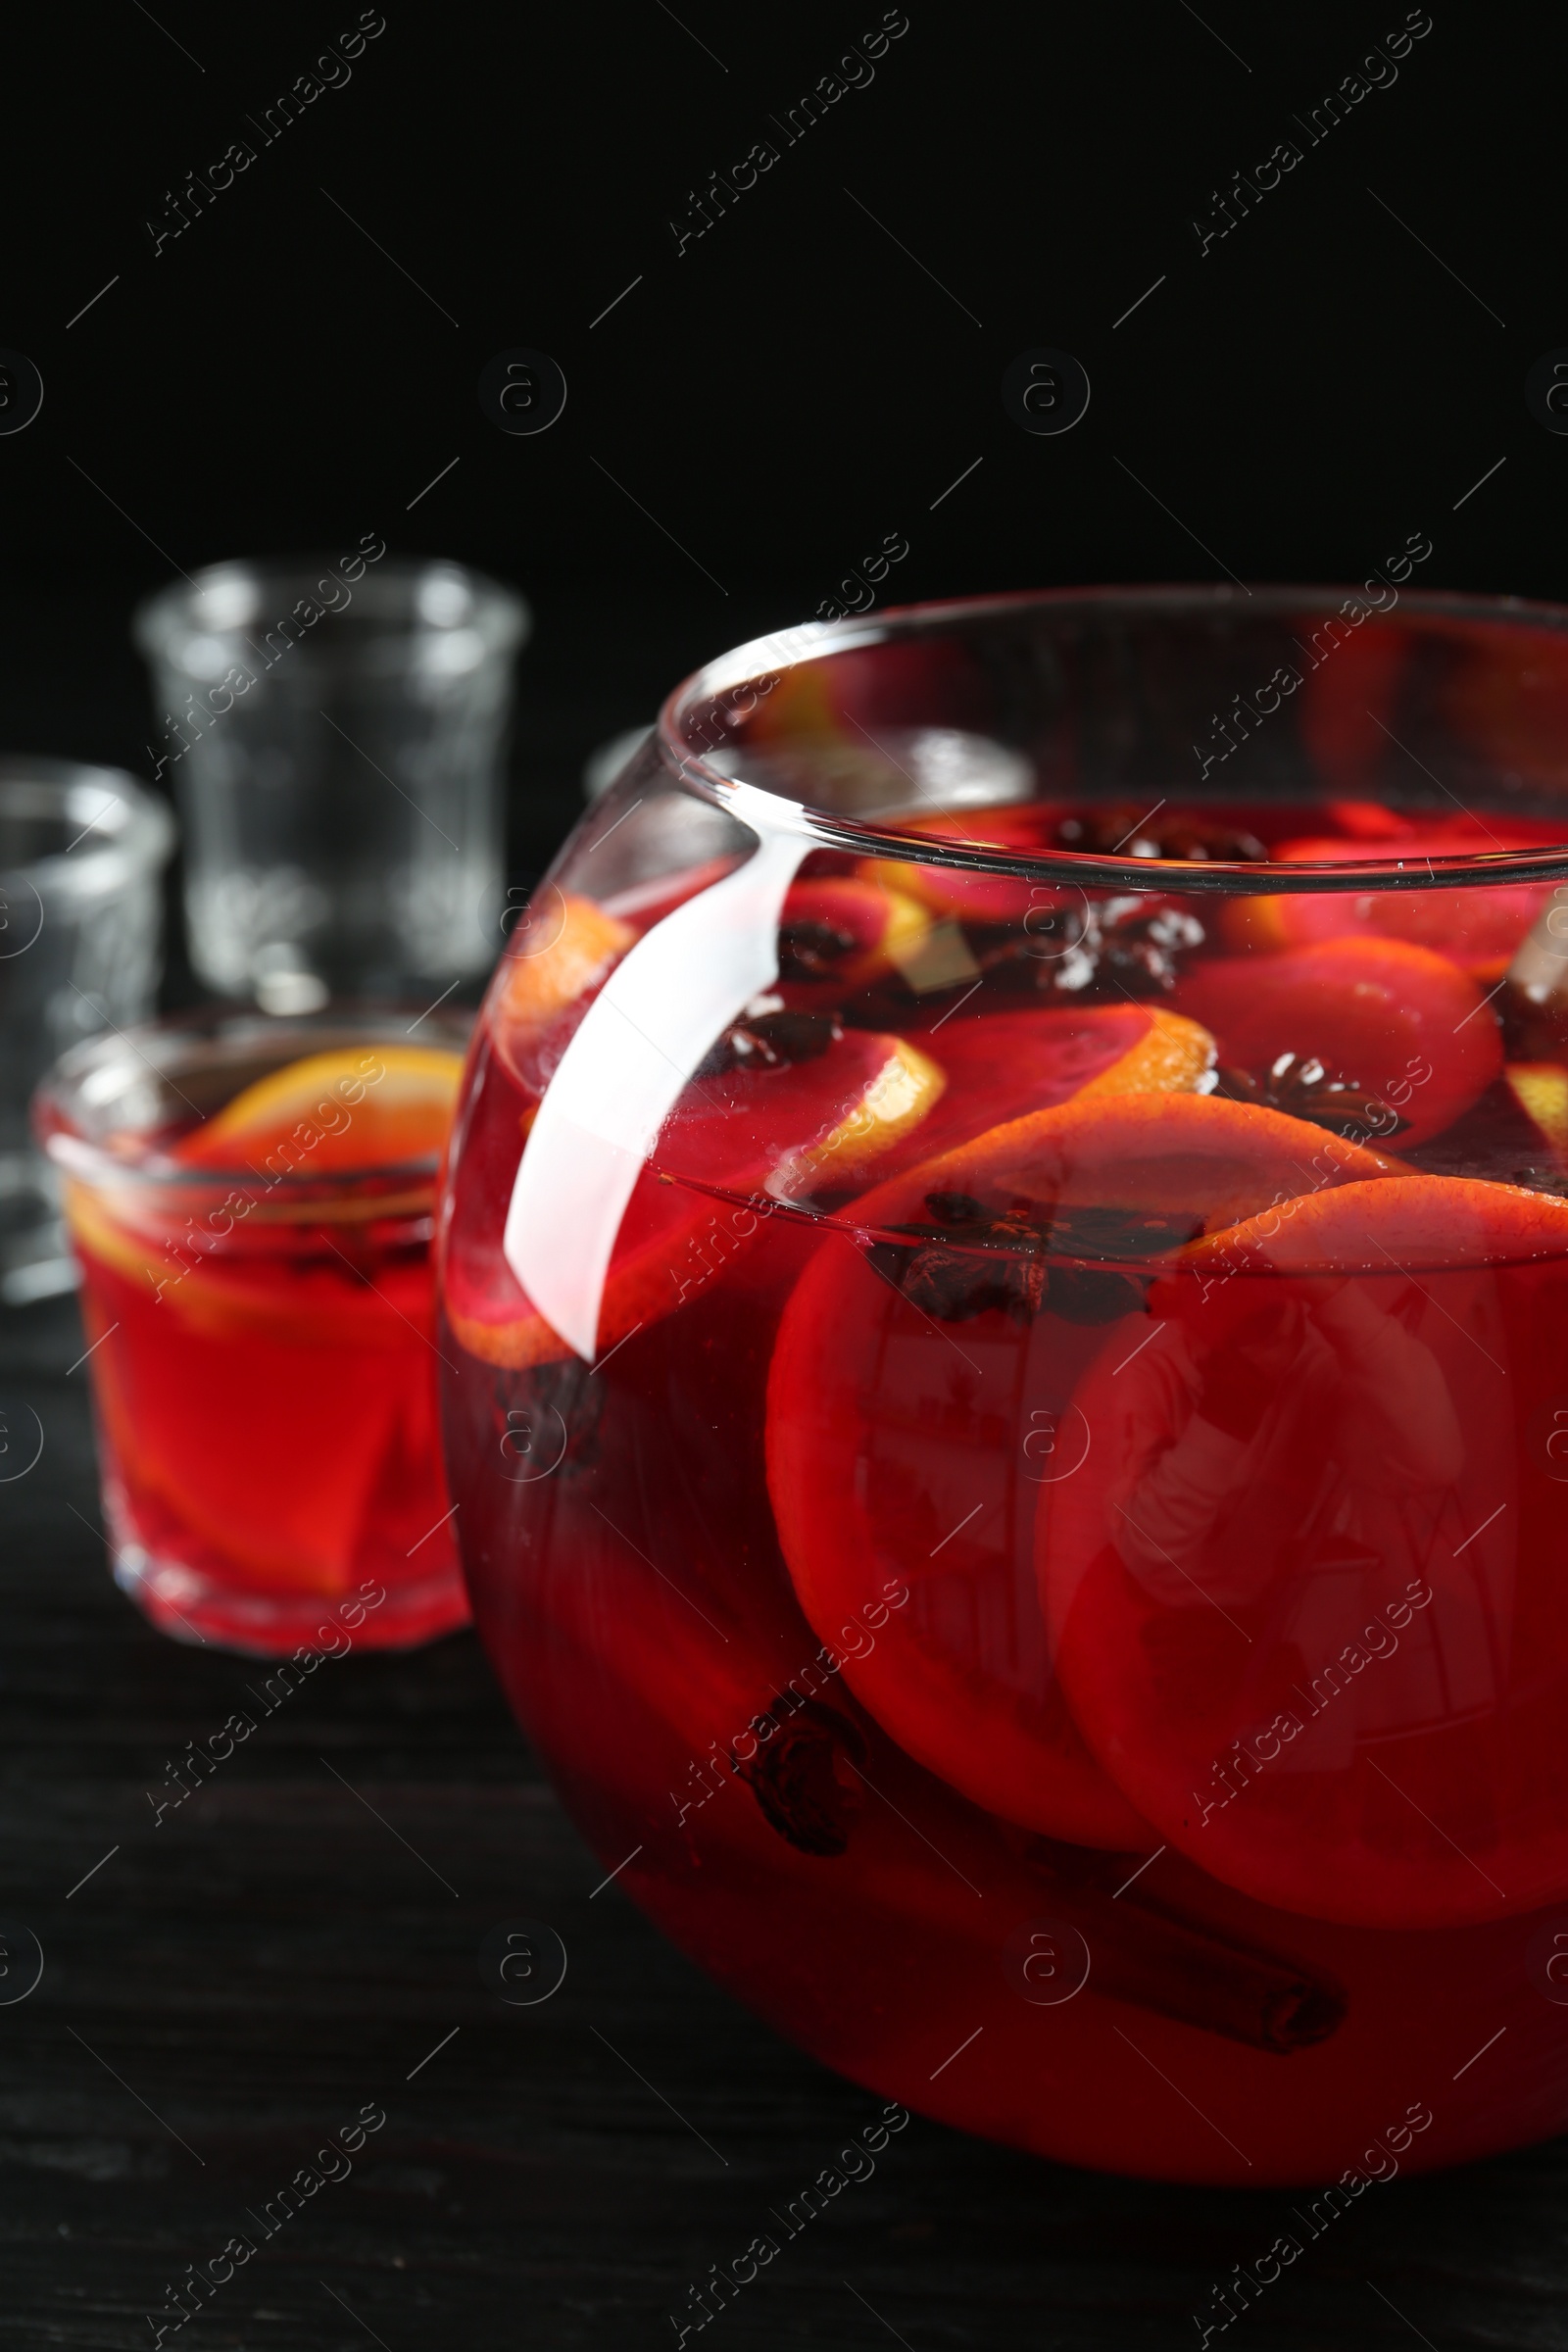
(218, 1029)
(795, 648)
(122, 831)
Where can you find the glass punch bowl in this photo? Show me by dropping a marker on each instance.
(1004, 1259)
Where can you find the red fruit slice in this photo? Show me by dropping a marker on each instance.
(980, 898)
(763, 1135)
(848, 699)
(810, 1126)
(976, 898)
(1402, 1024)
(1309, 1598)
(903, 1447)
(1473, 924)
(1000, 1065)
(837, 934)
(1339, 730)
(1367, 821)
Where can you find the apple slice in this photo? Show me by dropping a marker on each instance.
(1402, 1024)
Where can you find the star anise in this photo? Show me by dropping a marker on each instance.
(1302, 1086)
(812, 951)
(770, 1041)
(1095, 1229)
(805, 1777)
(1537, 1179)
(1145, 951)
(1025, 1257)
(1132, 946)
(1003, 1266)
(1123, 832)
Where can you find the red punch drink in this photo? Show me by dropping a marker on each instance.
(1014, 1421)
(251, 1206)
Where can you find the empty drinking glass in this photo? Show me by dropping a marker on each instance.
(334, 730)
(81, 853)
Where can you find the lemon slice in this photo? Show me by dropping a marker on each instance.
(356, 1106)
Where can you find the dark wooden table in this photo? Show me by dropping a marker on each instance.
(225, 1989)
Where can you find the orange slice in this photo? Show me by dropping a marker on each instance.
(244, 1288)
(1221, 1160)
(565, 949)
(356, 1106)
(764, 1136)
(1434, 1224)
(894, 1104)
(1170, 1058)
(555, 958)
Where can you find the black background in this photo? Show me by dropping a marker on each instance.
(754, 417)
(795, 384)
